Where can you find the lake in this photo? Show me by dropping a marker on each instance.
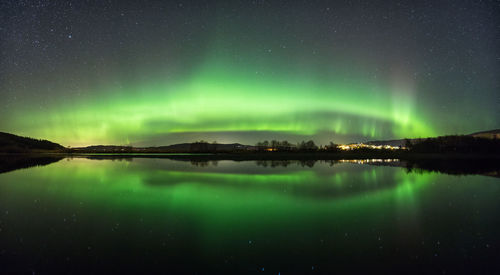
(141, 215)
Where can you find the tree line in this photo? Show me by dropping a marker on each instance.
(285, 146)
(454, 144)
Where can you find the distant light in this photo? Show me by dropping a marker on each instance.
(362, 145)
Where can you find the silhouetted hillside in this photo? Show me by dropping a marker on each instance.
(456, 144)
(195, 147)
(103, 149)
(10, 143)
(491, 134)
(487, 134)
(204, 147)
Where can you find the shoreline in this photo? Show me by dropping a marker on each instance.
(267, 155)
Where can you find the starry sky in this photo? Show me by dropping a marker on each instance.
(162, 72)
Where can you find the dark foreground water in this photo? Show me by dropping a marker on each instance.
(157, 215)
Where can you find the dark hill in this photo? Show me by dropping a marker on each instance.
(196, 147)
(209, 147)
(401, 142)
(10, 143)
(487, 134)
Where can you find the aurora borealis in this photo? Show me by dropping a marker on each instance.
(158, 214)
(161, 72)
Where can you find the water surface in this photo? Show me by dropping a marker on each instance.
(80, 215)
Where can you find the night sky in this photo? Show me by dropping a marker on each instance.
(163, 72)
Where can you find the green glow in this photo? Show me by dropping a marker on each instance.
(244, 77)
(221, 208)
(215, 197)
(223, 97)
(155, 180)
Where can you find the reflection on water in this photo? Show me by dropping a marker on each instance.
(487, 167)
(85, 215)
(13, 162)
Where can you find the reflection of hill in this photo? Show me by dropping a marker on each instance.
(488, 167)
(326, 180)
(442, 164)
(14, 162)
(456, 166)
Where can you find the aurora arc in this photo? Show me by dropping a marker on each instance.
(222, 97)
(162, 73)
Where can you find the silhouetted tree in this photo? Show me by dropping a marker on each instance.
(311, 146)
(285, 146)
(408, 144)
(332, 147)
(274, 144)
(199, 146)
(261, 146)
(307, 146)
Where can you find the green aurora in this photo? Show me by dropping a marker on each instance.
(217, 200)
(164, 74)
(159, 182)
(220, 97)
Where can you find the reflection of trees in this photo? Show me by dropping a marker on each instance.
(309, 163)
(441, 165)
(286, 163)
(274, 163)
(204, 163)
(331, 162)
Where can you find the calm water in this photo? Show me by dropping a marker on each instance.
(135, 215)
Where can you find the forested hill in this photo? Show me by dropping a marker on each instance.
(10, 143)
